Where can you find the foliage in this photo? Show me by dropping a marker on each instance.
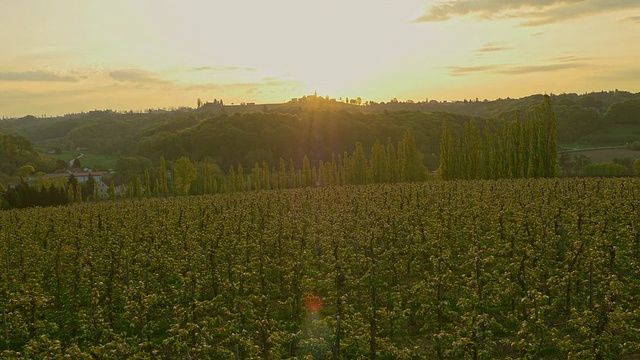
(522, 268)
(497, 149)
(184, 172)
(606, 169)
(24, 195)
(17, 155)
(626, 112)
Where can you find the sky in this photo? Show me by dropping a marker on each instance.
(70, 56)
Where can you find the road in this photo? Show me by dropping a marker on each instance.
(591, 149)
(74, 159)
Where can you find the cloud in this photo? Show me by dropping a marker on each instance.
(539, 68)
(223, 68)
(466, 70)
(137, 76)
(491, 47)
(629, 75)
(570, 59)
(513, 70)
(37, 75)
(532, 12)
(633, 19)
(249, 86)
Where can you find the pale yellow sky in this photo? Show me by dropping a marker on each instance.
(68, 56)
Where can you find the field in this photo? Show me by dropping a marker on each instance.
(458, 269)
(607, 155)
(92, 161)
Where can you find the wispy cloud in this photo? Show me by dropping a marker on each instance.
(250, 87)
(491, 47)
(528, 69)
(514, 69)
(36, 75)
(223, 68)
(532, 12)
(633, 19)
(468, 70)
(137, 76)
(624, 76)
(570, 59)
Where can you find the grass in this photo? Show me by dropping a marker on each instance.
(608, 155)
(92, 161)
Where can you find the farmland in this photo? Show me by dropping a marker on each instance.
(458, 269)
(607, 155)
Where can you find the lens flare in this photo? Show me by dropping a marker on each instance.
(313, 303)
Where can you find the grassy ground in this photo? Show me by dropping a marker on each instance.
(93, 161)
(607, 155)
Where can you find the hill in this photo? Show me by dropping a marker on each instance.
(313, 126)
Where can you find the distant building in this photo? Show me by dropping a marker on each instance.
(80, 175)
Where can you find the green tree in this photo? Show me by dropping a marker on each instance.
(240, 183)
(232, 179)
(96, 192)
(88, 187)
(184, 172)
(306, 171)
(360, 167)
(393, 166)
(636, 167)
(138, 189)
(25, 171)
(378, 163)
(147, 182)
(412, 167)
(112, 191)
(164, 187)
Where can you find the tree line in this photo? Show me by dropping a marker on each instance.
(386, 163)
(510, 147)
(137, 178)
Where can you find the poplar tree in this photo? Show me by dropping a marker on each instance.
(232, 179)
(164, 187)
(393, 167)
(412, 167)
(282, 174)
(112, 191)
(501, 148)
(138, 188)
(446, 152)
(306, 171)
(240, 183)
(378, 164)
(96, 192)
(147, 182)
(257, 181)
(266, 178)
(334, 170)
(360, 168)
(78, 192)
(292, 174)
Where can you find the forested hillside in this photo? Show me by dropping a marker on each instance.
(18, 156)
(588, 118)
(312, 126)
